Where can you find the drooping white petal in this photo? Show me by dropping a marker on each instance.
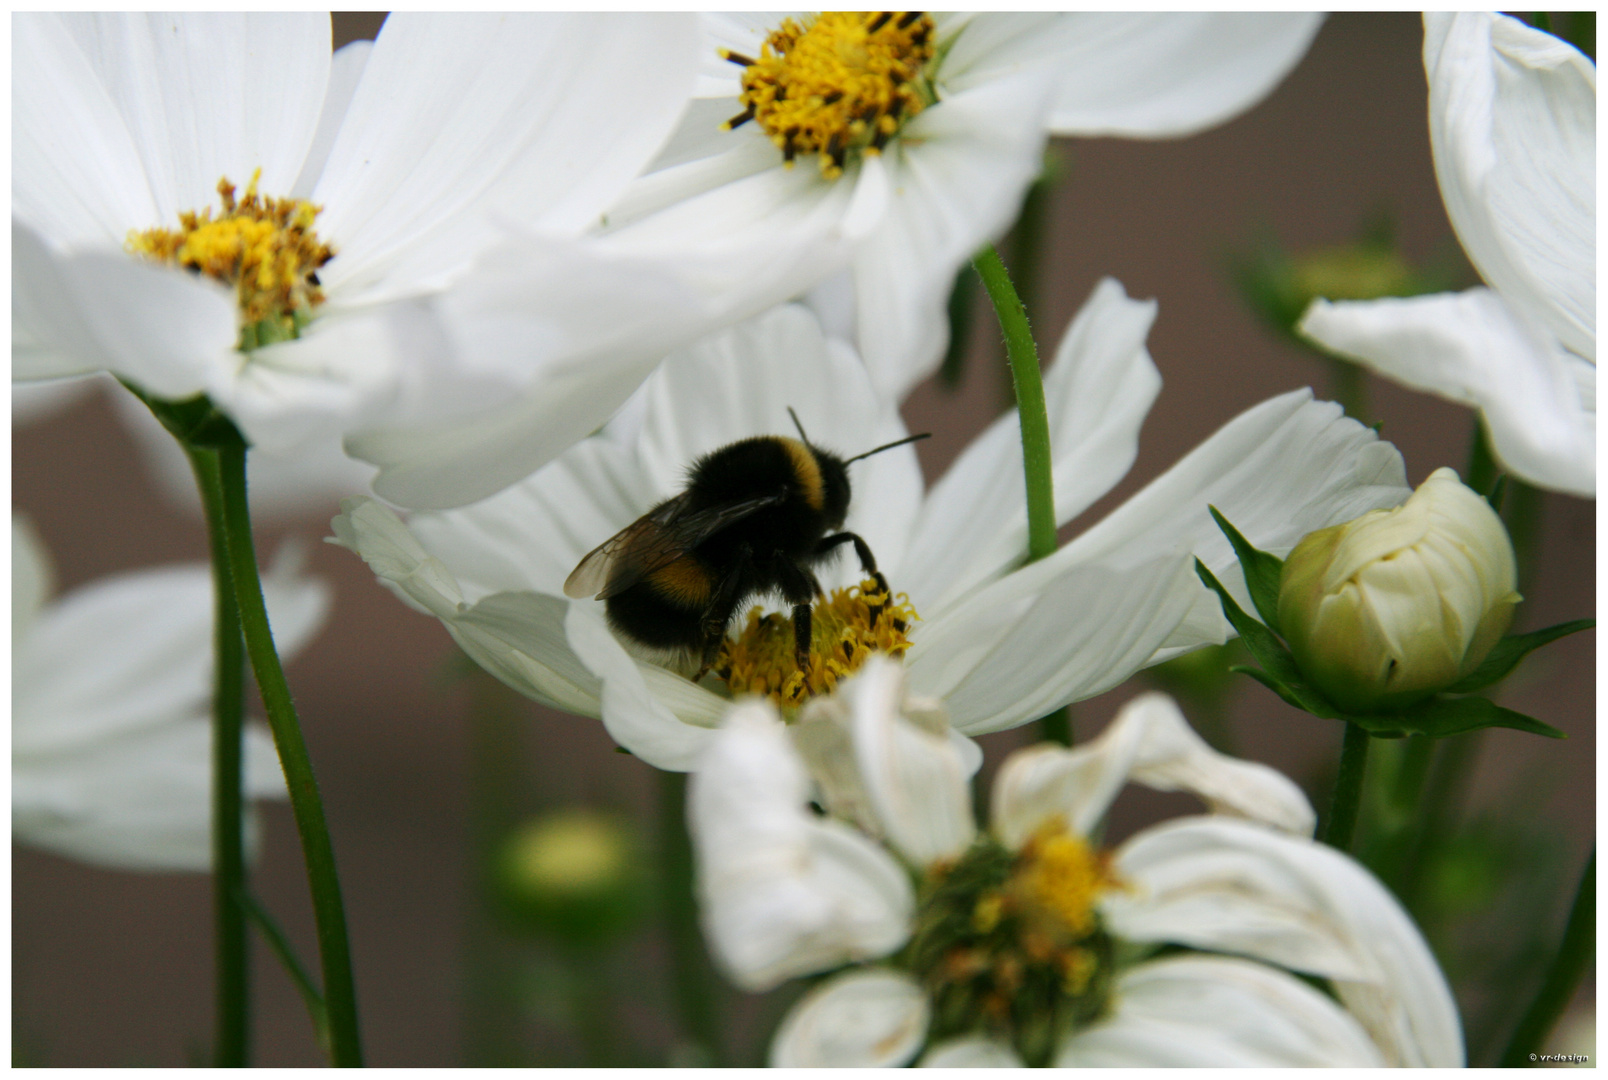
(139, 800)
(913, 775)
(784, 892)
(1148, 743)
(1513, 121)
(501, 112)
(1052, 632)
(33, 578)
(971, 1052)
(1472, 347)
(1213, 1012)
(973, 525)
(862, 1019)
(1214, 883)
(210, 95)
(959, 171)
(1169, 74)
(99, 310)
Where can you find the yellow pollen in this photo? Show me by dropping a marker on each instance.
(265, 248)
(1060, 876)
(839, 82)
(845, 628)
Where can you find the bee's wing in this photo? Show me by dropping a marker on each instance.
(656, 539)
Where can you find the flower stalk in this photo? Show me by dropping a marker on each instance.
(1347, 795)
(692, 978)
(232, 971)
(340, 992)
(1575, 953)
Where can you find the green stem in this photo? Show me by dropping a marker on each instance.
(232, 990)
(1575, 953)
(340, 992)
(1349, 385)
(282, 948)
(1522, 513)
(1034, 421)
(1481, 471)
(591, 1008)
(1439, 809)
(1347, 788)
(690, 971)
(1404, 820)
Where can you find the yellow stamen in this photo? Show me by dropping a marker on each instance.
(265, 248)
(843, 81)
(1061, 877)
(845, 628)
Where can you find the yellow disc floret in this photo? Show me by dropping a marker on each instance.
(265, 248)
(1059, 878)
(845, 628)
(839, 82)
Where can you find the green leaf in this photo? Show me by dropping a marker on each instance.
(1277, 663)
(1440, 717)
(1507, 653)
(1283, 691)
(1262, 572)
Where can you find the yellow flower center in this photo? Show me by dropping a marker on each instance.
(845, 628)
(840, 82)
(1011, 944)
(265, 248)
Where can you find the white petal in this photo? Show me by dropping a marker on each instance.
(1101, 384)
(1149, 743)
(1213, 883)
(34, 401)
(862, 1019)
(971, 1052)
(1052, 632)
(958, 172)
(97, 310)
(914, 777)
(374, 532)
(1201, 1011)
(1472, 347)
(637, 717)
(33, 577)
(208, 96)
(499, 113)
(1169, 74)
(784, 892)
(138, 801)
(345, 69)
(1513, 120)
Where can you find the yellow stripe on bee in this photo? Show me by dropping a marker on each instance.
(807, 471)
(684, 580)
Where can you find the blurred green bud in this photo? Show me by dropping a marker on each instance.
(1360, 271)
(577, 875)
(1386, 610)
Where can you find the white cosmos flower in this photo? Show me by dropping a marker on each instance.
(1000, 644)
(111, 737)
(423, 150)
(995, 86)
(788, 892)
(1512, 122)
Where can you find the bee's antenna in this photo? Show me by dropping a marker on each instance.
(798, 425)
(889, 446)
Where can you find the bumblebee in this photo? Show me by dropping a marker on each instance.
(757, 517)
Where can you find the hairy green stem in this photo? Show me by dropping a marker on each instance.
(692, 976)
(1575, 953)
(282, 948)
(1347, 788)
(232, 960)
(340, 992)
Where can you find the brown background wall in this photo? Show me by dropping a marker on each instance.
(113, 968)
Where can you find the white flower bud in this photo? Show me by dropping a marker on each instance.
(1388, 609)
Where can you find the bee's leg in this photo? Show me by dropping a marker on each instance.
(721, 607)
(800, 589)
(868, 563)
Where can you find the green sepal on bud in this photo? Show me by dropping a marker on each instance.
(1393, 666)
(576, 875)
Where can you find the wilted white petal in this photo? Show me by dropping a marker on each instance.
(1512, 122)
(1220, 884)
(862, 1019)
(914, 777)
(1207, 1011)
(971, 1052)
(784, 892)
(1472, 347)
(1149, 743)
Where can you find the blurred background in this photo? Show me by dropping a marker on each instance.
(113, 969)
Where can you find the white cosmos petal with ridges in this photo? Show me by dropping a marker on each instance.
(1221, 884)
(971, 1052)
(865, 1019)
(1210, 1011)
